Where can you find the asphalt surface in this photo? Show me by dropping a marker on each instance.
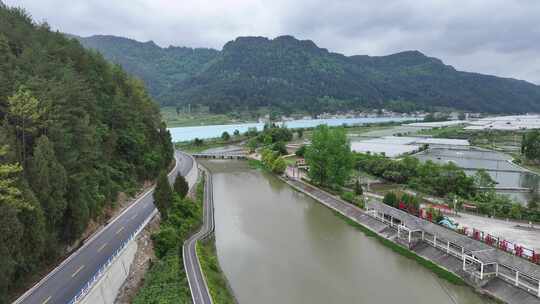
(197, 283)
(67, 280)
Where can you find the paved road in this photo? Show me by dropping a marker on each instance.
(197, 283)
(65, 282)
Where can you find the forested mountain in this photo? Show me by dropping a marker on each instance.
(294, 75)
(160, 68)
(75, 131)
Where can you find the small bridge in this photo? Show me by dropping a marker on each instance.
(220, 156)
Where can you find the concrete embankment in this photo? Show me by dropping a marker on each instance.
(105, 290)
(111, 278)
(438, 248)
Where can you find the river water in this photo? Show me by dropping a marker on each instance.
(276, 245)
(203, 132)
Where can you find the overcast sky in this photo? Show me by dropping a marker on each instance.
(487, 36)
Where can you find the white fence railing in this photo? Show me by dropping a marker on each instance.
(103, 269)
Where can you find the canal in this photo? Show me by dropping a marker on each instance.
(276, 245)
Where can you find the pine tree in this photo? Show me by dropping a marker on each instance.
(181, 187)
(11, 229)
(49, 181)
(163, 195)
(24, 110)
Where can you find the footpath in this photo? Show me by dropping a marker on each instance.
(446, 249)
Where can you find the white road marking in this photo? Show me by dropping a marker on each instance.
(120, 230)
(77, 272)
(101, 247)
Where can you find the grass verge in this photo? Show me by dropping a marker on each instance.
(216, 280)
(166, 281)
(191, 147)
(438, 270)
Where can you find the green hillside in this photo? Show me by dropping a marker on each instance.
(75, 131)
(297, 76)
(160, 68)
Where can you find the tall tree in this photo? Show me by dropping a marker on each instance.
(163, 195)
(49, 181)
(181, 186)
(24, 110)
(530, 145)
(329, 156)
(79, 130)
(11, 229)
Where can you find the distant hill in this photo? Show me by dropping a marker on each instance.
(160, 68)
(297, 76)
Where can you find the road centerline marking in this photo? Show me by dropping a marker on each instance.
(135, 215)
(120, 230)
(101, 247)
(77, 272)
(46, 300)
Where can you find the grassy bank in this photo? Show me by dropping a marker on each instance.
(192, 147)
(216, 280)
(166, 280)
(173, 119)
(439, 271)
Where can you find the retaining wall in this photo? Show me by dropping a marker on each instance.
(105, 290)
(496, 288)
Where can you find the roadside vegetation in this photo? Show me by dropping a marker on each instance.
(77, 136)
(428, 177)
(216, 280)
(199, 145)
(447, 181)
(179, 117)
(166, 280)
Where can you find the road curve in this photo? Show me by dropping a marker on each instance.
(197, 282)
(69, 278)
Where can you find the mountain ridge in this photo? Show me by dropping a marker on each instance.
(294, 75)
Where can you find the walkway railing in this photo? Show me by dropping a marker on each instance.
(505, 272)
(103, 269)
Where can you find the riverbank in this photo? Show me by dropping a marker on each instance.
(166, 280)
(355, 217)
(217, 282)
(434, 258)
(277, 245)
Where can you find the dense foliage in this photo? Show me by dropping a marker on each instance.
(273, 161)
(329, 156)
(272, 137)
(530, 145)
(160, 68)
(217, 282)
(181, 186)
(297, 76)
(427, 177)
(163, 195)
(75, 131)
(166, 281)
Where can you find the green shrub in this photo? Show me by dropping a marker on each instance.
(348, 196)
(390, 199)
(279, 165)
(164, 240)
